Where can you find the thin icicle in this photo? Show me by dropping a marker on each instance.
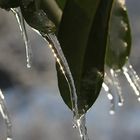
(21, 24)
(110, 96)
(61, 60)
(80, 121)
(117, 86)
(5, 114)
(107, 85)
(80, 124)
(55, 47)
(132, 78)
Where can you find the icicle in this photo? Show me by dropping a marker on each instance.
(117, 86)
(61, 60)
(132, 78)
(55, 47)
(21, 24)
(106, 87)
(5, 115)
(79, 120)
(80, 124)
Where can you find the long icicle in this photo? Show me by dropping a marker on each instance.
(61, 60)
(5, 114)
(132, 78)
(21, 24)
(117, 86)
(55, 47)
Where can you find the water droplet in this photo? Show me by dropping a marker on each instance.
(111, 112)
(110, 97)
(139, 99)
(21, 24)
(120, 104)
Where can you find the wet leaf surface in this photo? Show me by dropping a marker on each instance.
(119, 41)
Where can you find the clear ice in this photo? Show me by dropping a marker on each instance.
(107, 85)
(80, 124)
(117, 86)
(21, 23)
(132, 78)
(5, 114)
(79, 120)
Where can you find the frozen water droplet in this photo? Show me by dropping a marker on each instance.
(132, 78)
(21, 24)
(110, 97)
(139, 99)
(5, 114)
(111, 112)
(120, 104)
(117, 86)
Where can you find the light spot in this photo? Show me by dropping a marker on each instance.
(120, 104)
(2, 112)
(111, 112)
(110, 97)
(122, 3)
(125, 44)
(1, 95)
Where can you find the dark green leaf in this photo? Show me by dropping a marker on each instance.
(61, 3)
(119, 41)
(83, 35)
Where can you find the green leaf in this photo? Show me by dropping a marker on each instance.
(83, 35)
(119, 41)
(61, 3)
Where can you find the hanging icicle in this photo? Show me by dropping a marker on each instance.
(5, 114)
(117, 86)
(21, 23)
(132, 78)
(107, 85)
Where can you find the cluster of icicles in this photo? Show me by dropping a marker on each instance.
(79, 121)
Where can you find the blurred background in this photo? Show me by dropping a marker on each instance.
(33, 99)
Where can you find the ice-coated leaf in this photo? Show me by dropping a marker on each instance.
(119, 40)
(83, 34)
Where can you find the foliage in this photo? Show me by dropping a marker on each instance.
(83, 28)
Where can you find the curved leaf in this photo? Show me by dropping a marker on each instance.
(119, 41)
(83, 35)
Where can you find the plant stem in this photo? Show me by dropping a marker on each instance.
(53, 11)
